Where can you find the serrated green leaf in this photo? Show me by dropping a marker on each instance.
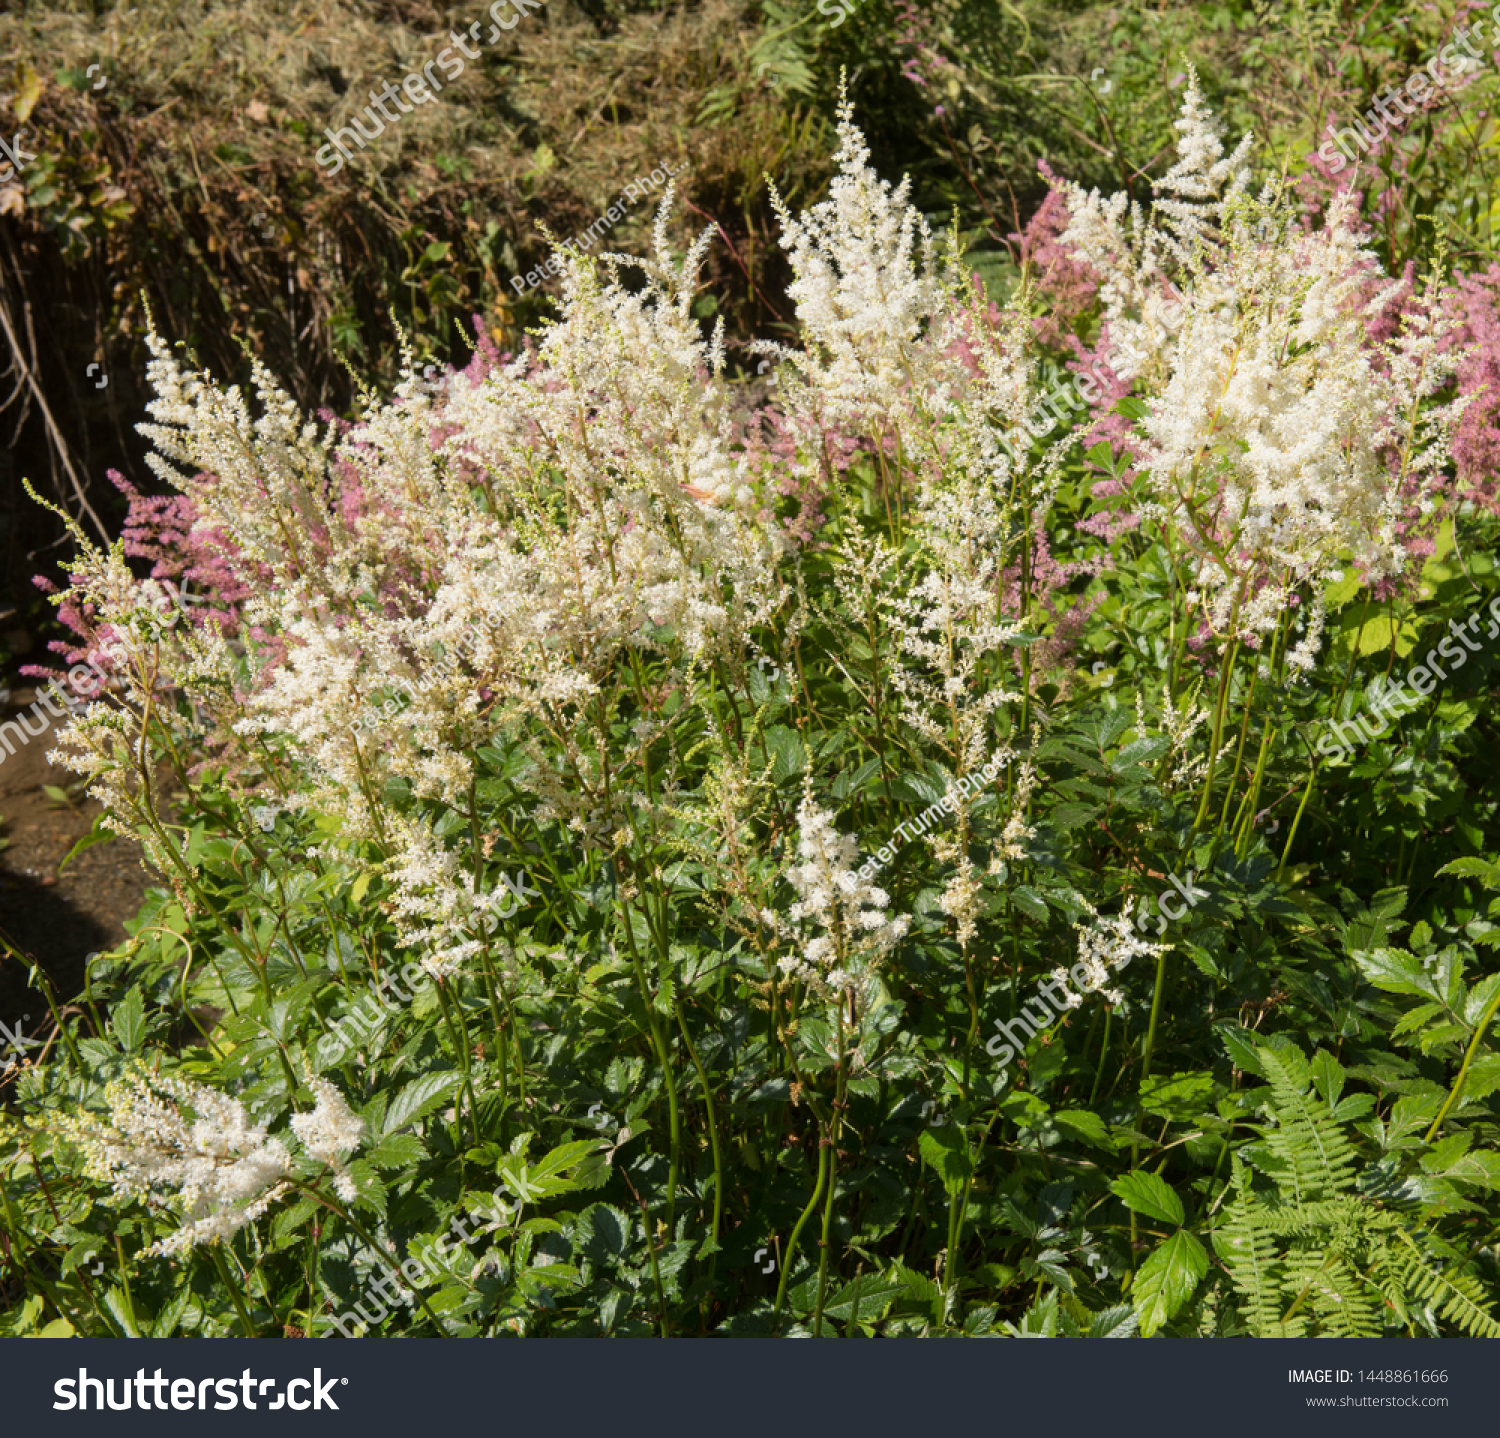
(946, 1151)
(419, 1098)
(128, 1021)
(865, 1300)
(119, 1307)
(1084, 1124)
(1144, 1192)
(1393, 970)
(1029, 902)
(788, 752)
(1470, 867)
(397, 1150)
(1179, 1096)
(1166, 1280)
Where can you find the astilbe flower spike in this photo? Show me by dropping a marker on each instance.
(192, 1149)
(838, 928)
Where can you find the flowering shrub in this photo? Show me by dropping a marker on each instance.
(574, 614)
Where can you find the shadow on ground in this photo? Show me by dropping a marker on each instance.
(55, 919)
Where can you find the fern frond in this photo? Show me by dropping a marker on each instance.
(1246, 1245)
(1321, 1281)
(1306, 1137)
(1455, 1296)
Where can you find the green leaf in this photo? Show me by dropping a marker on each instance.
(1328, 1075)
(1084, 1124)
(946, 1151)
(170, 1316)
(1167, 1279)
(543, 1179)
(1029, 902)
(1481, 1169)
(369, 1192)
(872, 1296)
(115, 1301)
(129, 1020)
(1072, 816)
(847, 784)
(1484, 1077)
(397, 1150)
(1102, 454)
(1471, 868)
(919, 1288)
(788, 753)
(1179, 1096)
(1144, 1192)
(604, 1233)
(419, 1098)
(97, 835)
(1117, 1322)
(1369, 928)
(563, 1157)
(1393, 970)
(1376, 634)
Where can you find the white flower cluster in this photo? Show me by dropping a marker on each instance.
(1105, 946)
(488, 556)
(588, 500)
(838, 925)
(1138, 262)
(166, 1133)
(329, 1132)
(873, 305)
(1282, 441)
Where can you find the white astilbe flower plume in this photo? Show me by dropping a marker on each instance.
(168, 1134)
(1204, 180)
(838, 926)
(1281, 441)
(872, 303)
(329, 1132)
(441, 572)
(946, 625)
(1106, 946)
(1179, 722)
(1139, 262)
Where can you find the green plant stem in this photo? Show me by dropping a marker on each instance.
(823, 1245)
(713, 1134)
(1244, 819)
(660, 1043)
(229, 1285)
(1239, 755)
(459, 1033)
(1147, 1050)
(791, 1246)
(956, 1204)
(1109, 1015)
(1306, 795)
(1225, 680)
(1463, 1073)
(661, 1293)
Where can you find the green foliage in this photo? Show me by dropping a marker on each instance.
(1327, 1249)
(643, 1124)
